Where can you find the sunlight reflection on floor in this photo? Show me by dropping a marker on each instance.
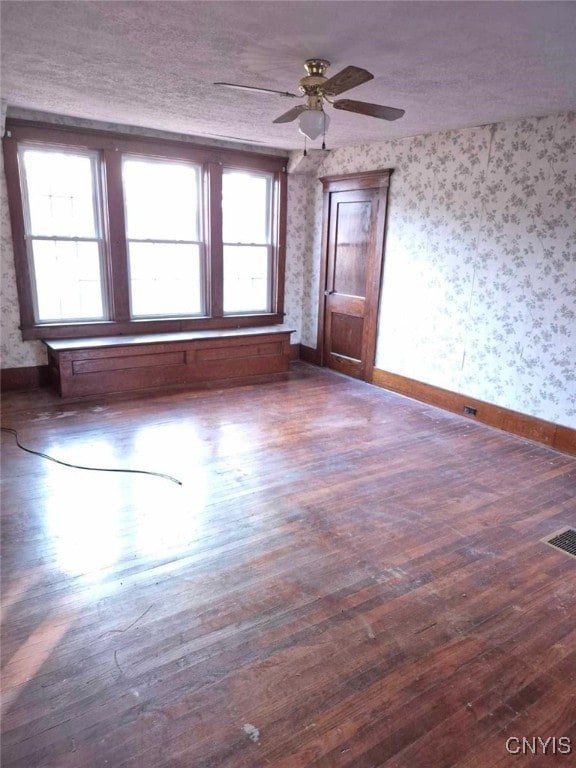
(93, 518)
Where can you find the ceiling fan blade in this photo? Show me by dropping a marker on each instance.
(261, 90)
(232, 138)
(292, 114)
(372, 110)
(348, 78)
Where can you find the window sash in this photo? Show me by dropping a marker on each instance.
(269, 279)
(201, 278)
(198, 196)
(74, 290)
(269, 204)
(91, 155)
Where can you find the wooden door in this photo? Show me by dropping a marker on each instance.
(354, 226)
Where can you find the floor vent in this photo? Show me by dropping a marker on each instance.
(564, 540)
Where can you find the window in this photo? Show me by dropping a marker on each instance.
(63, 234)
(120, 234)
(247, 236)
(161, 202)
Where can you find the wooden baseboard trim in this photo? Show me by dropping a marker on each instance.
(309, 354)
(554, 435)
(30, 377)
(565, 439)
(294, 351)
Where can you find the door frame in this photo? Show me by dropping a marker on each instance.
(348, 182)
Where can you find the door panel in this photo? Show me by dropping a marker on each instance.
(354, 236)
(352, 226)
(346, 336)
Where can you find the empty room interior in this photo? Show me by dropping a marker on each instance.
(288, 327)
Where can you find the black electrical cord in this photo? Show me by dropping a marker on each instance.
(93, 469)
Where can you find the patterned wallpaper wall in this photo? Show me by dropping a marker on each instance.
(479, 284)
(296, 244)
(14, 353)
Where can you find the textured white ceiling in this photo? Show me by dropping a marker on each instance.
(149, 63)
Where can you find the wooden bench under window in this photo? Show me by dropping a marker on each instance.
(202, 358)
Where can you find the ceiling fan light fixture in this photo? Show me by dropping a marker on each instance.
(313, 123)
(317, 88)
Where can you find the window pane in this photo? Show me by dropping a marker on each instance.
(246, 279)
(245, 207)
(161, 200)
(165, 279)
(60, 193)
(68, 284)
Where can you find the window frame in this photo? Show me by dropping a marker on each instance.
(112, 147)
(31, 237)
(200, 242)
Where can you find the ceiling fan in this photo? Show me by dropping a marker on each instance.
(317, 88)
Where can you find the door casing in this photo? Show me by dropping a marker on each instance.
(369, 180)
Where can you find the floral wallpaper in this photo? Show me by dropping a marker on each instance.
(296, 242)
(479, 284)
(14, 353)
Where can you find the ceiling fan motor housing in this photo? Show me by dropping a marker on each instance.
(315, 78)
(316, 66)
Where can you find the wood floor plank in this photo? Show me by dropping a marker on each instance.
(345, 578)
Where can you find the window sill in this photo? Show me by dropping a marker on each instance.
(109, 328)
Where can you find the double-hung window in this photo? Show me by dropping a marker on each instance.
(162, 208)
(63, 233)
(119, 234)
(247, 236)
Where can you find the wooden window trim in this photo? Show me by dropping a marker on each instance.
(111, 147)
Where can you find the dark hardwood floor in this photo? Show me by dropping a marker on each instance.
(345, 578)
